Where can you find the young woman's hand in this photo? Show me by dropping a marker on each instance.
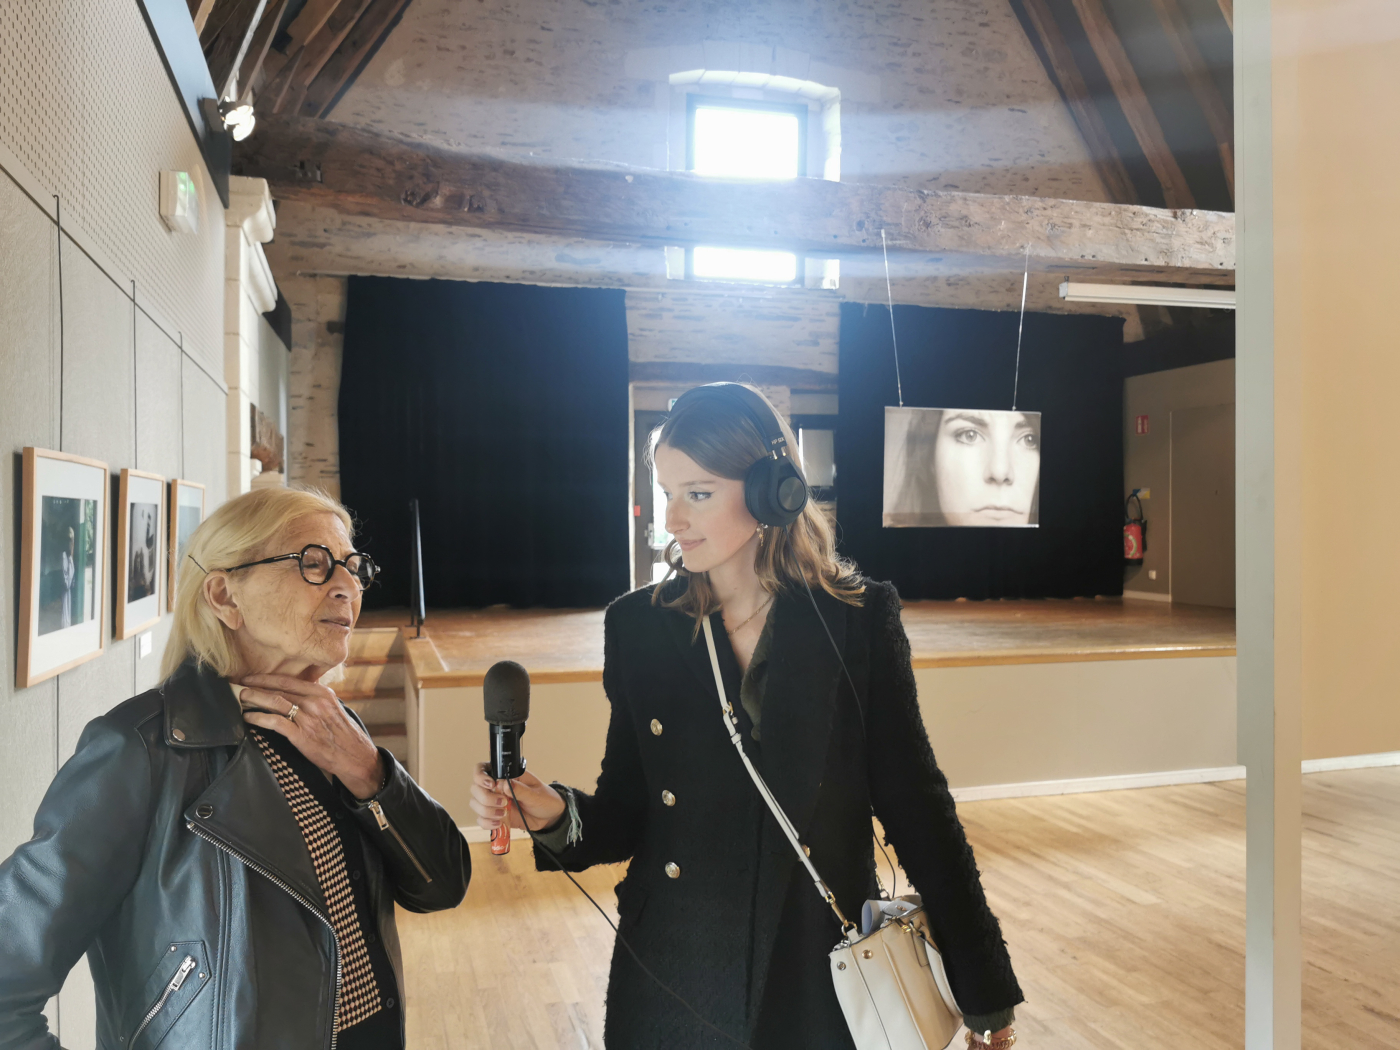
(491, 801)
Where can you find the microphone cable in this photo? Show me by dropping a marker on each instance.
(622, 940)
(535, 842)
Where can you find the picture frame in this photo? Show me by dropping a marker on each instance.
(63, 563)
(961, 468)
(186, 514)
(140, 552)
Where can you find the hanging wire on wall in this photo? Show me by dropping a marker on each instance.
(889, 300)
(182, 404)
(1021, 328)
(58, 220)
(135, 388)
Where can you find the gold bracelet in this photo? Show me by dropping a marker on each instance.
(1006, 1042)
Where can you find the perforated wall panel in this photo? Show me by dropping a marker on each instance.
(87, 107)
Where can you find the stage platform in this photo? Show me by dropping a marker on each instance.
(1018, 697)
(566, 645)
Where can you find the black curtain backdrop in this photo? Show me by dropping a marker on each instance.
(1071, 371)
(503, 409)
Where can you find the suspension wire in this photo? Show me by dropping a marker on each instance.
(889, 300)
(1021, 328)
(58, 221)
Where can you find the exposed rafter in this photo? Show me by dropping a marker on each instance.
(200, 11)
(257, 48)
(309, 20)
(318, 50)
(1103, 38)
(367, 173)
(1218, 116)
(348, 58)
(1102, 150)
(226, 38)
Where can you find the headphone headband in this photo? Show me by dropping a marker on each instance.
(774, 490)
(758, 410)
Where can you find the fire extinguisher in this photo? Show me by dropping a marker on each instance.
(1134, 531)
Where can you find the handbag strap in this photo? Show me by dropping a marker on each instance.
(726, 710)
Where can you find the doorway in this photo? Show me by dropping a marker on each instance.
(1203, 506)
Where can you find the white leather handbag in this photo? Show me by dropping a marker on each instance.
(888, 974)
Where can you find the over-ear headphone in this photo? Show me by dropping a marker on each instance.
(774, 489)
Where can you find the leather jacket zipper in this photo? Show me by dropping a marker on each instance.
(300, 899)
(170, 989)
(384, 825)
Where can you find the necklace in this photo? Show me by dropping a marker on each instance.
(730, 630)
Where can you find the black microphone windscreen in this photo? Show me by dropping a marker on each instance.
(507, 689)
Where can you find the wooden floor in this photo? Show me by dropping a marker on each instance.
(1124, 912)
(567, 644)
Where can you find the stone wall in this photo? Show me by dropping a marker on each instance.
(313, 420)
(934, 95)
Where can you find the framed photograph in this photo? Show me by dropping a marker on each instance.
(63, 564)
(961, 467)
(186, 513)
(140, 550)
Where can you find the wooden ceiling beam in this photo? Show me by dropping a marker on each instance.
(1227, 8)
(1102, 150)
(318, 50)
(375, 174)
(274, 93)
(200, 11)
(1188, 55)
(256, 54)
(366, 35)
(309, 21)
(226, 41)
(1103, 38)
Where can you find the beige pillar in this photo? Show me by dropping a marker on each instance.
(249, 292)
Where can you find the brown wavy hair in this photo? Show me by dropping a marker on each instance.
(720, 435)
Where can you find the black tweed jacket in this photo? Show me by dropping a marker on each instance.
(714, 902)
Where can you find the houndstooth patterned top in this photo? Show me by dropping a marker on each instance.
(360, 992)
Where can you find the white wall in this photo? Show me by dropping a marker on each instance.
(90, 115)
(1147, 457)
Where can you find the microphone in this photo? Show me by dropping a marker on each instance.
(507, 693)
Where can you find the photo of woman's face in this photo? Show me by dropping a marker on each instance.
(986, 466)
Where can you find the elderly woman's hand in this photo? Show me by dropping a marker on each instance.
(322, 730)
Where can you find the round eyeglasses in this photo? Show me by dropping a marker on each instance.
(318, 565)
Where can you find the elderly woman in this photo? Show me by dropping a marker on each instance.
(228, 848)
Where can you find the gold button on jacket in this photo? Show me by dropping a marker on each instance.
(668, 798)
(673, 869)
(655, 727)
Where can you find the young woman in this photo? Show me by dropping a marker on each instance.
(714, 902)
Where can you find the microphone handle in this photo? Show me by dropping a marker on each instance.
(500, 839)
(506, 763)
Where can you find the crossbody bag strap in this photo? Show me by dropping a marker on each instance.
(727, 712)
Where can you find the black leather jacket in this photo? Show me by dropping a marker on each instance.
(166, 838)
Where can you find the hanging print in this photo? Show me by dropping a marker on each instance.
(63, 564)
(964, 467)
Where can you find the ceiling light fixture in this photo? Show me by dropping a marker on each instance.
(238, 118)
(1148, 295)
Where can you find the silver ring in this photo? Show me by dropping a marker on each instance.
(292, 714)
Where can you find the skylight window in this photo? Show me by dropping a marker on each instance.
(738, 138)
(730, 138)
(743, 264)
